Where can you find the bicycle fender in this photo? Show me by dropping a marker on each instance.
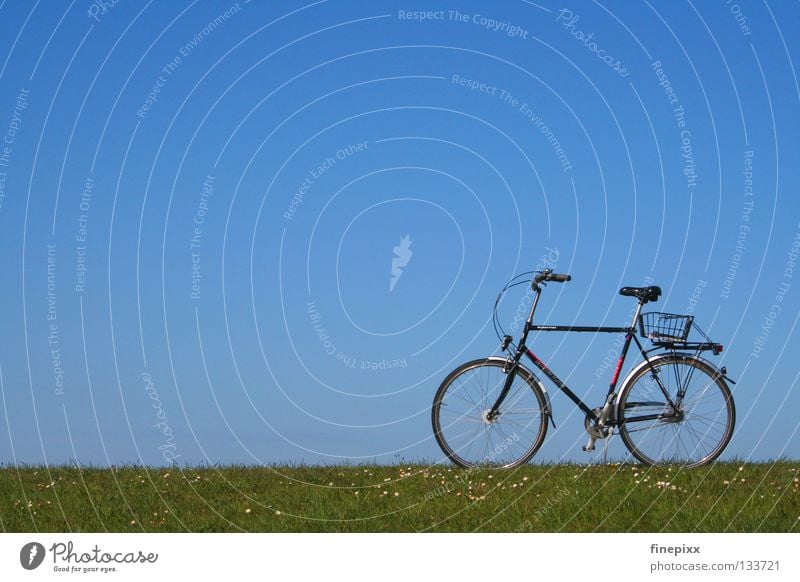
(644, 363)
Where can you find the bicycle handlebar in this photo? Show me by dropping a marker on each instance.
(548, 275)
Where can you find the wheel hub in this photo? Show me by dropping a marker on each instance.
(676, 416)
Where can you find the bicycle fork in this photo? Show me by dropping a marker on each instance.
(510, 369)
(511, 365)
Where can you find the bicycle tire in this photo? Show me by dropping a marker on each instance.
(706, 412)
(456, 405)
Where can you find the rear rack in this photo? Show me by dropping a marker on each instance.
(715, 348)
(671, 331)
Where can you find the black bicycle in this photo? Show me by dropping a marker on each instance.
(674, 407)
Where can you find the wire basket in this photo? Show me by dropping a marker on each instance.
(665, 327)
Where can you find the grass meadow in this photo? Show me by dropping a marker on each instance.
(724, 497)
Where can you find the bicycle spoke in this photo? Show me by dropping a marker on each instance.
(456, 395)
(472, 440)
(466, 434)
(525, 411)
(693, 432)
(699, 428)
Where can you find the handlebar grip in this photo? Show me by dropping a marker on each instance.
(560, 278)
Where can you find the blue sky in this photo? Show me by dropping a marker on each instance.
(200, 202)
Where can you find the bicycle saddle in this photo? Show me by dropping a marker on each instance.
(644, 294)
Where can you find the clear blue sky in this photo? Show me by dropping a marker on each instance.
(200, 202)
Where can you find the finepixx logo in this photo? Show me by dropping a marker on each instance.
(31, 555)
(401, 258)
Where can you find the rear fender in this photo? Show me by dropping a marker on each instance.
(711, 368)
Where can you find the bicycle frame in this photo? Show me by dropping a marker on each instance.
(603, 418)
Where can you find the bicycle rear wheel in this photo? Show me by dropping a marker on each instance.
(691, 433)
(461, 424)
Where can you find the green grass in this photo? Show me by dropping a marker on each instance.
(725, 497)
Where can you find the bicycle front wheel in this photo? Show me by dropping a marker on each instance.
(678, 410)
(463, 428)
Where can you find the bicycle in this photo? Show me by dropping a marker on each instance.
(674, 407)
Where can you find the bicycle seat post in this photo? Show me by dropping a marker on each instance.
(636, 315)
